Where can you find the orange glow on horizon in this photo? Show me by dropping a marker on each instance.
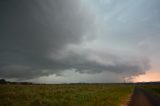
(148, 76)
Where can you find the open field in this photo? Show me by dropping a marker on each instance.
(64, 95)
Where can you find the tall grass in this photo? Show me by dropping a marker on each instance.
(63, 95)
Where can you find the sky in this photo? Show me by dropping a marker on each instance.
(80, 41)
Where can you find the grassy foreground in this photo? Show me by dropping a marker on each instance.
(63, 95)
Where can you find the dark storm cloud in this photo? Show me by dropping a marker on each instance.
(34, 33)
(31, 29)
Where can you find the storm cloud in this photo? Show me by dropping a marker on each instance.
(41, 38)
(30, 30)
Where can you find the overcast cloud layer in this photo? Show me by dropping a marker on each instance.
(49, 38)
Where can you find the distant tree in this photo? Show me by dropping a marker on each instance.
(3, 81)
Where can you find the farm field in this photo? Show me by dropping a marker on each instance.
(64, 95)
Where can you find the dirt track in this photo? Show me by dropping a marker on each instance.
(142, 97)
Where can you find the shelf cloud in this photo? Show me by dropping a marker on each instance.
(42, 38)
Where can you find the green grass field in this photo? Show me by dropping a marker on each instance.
(64, 95)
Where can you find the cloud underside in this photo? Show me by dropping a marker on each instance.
(36, 39)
